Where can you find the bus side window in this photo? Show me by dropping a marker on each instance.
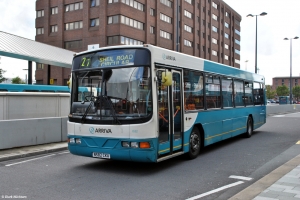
(193, 90)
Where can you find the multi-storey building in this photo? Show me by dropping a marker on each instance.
(278, 81)
(208, 29)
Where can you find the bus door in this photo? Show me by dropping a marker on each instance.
(170, 115)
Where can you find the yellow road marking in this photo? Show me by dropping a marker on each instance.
(298, 142)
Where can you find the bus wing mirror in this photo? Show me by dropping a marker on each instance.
(70, 82)
(166, 78)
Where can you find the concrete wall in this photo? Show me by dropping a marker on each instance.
(32, 118)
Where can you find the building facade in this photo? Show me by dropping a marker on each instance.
(278, 81)
(209, 29)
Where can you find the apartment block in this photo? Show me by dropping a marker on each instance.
(209, 29)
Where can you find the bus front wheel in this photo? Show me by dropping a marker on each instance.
(249, 130)
(195, 144)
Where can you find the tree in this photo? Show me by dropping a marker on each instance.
(296, 92)
(282, 90)
(17, 80)
(2, 78)
(270, 93)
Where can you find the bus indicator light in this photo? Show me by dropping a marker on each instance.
(144, 145)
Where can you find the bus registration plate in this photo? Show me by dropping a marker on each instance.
(101, 155)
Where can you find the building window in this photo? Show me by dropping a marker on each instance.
(226, 46)
(166, 2)
(94, 22)
(53, 28)
(40, 13)
(214, 17)
(113, 40)
(76, 44)
(74, 6)
(236, 22)
(189, 1)
(40, 66)
(214, 41)
(225, 57)
(152, 29)
(214, 53)
(165, 18)
(188, 14)
(227, 14)
(95, 3)
(165, 35)
(127, 21)
(237, 32)
(237, 41)
(226, 35)
(236, 51)
(214, 5)
(39, 31)
(73, 25)
(226, 25)
(188, 43)
(113, 1)
(215, 29)
(188, 28)
(132, 3)
(152, 12)
(54, 10)
(237, 61)
(130, 41)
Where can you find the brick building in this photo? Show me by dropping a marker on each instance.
(278, 81)
(208, 29)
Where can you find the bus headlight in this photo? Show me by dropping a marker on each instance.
(134, 144)
(78, 141)
(72, 140)
(125, 144)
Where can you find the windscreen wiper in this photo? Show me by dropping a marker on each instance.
(104, 100)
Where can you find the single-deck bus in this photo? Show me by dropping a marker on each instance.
(149, 104)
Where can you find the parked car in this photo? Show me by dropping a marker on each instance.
(271, 101)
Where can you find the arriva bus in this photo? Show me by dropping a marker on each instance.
(149, 104)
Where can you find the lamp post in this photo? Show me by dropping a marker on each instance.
(250, 15)
(295, 38)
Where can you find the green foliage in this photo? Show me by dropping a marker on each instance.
(270, 93)
(17, 80)
(296, 92)
(282, 90)
(2, 78)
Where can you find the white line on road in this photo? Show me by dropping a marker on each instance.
(215, 190)
(241, 177)
(29, 160)
(64, 152)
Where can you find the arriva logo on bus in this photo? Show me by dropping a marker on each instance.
(99, 130)
(167, 57)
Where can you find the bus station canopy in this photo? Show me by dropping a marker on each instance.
(22, 48)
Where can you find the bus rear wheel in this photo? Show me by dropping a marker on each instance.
(195, 144)
(249, 130)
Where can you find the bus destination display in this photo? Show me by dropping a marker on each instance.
(108, 59)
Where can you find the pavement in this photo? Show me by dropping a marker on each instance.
(281, 184)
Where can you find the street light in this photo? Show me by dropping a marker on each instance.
(246, 64)
(295, 38)
(250, 15)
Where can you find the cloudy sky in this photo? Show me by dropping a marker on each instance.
(273, 56)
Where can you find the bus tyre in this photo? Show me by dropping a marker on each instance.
(249, 129)
(195, 144)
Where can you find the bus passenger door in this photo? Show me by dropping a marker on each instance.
(170, 116)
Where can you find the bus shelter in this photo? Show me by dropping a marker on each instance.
(22, 48)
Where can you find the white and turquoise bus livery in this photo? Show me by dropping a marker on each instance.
(149, 104)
